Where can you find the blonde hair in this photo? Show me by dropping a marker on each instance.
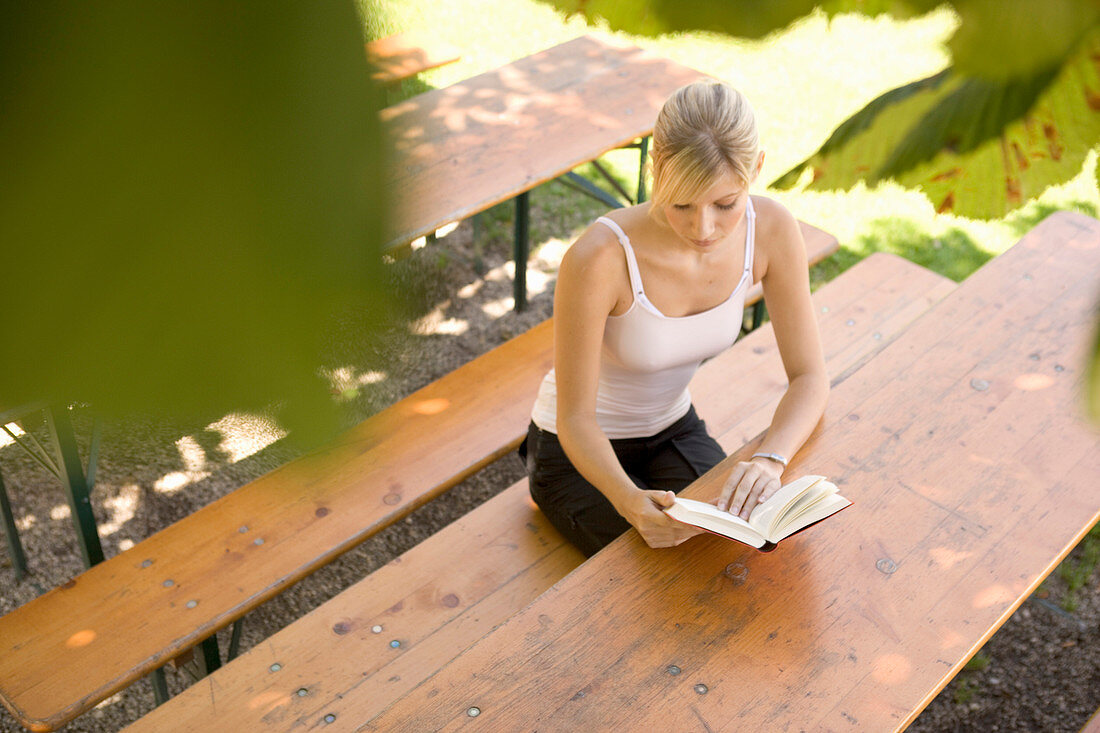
(704, 130)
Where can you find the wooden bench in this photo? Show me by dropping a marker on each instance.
(407, 54)
(972, 470)
(76, 645)
(383, 636)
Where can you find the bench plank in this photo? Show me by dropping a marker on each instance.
(65, 651)
(407, 54)
(446, 593)
(968, 465)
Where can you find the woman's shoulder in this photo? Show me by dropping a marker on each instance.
(596, 251)
(772, 218)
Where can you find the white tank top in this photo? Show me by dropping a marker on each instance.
(648, 358)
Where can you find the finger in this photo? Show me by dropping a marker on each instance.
(663, 498)
(753, 499)
(741, 494)
(732, 482)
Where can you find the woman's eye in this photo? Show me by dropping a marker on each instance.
(726, 207)
(681, 207)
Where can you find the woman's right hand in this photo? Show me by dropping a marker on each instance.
(643, 509)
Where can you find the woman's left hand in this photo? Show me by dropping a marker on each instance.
(750, 483)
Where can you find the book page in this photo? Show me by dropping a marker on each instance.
(825, 505)
(768, 516)
(711, 518)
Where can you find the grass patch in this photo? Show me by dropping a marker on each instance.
(1076, 571)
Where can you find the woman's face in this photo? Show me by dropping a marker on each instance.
(707, 221)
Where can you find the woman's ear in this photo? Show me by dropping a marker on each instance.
(759, 165)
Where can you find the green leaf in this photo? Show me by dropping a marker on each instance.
(193, 194)
(976, 147)
(1003, 39)
(748, 18)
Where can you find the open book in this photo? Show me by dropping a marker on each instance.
(794, 507)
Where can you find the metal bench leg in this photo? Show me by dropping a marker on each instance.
(211, 659)
(15, 545)
(644, 146)
(76, 485)
(519, 289)
(160, 686)
(235, 640)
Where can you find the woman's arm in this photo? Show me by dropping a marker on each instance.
(590, 285)
(787, 295)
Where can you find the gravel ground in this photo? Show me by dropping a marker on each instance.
(1040, 672)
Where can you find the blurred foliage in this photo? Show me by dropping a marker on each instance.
(192, 194)
(976, 147)
(1017, 110)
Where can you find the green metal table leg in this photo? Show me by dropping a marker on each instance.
(76, 485)
(15, 545)
(644, 145)
(757, 314)
(519, 288)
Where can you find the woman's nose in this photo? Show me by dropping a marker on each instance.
(703, 224)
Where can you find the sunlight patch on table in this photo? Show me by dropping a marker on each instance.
(994, 595)
(892, 669)
(81, 638)
(60, 511)
(1033, 382)
(947, 558)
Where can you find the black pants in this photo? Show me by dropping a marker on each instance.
(669, 460)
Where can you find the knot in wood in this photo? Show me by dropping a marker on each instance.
(737, 572)
(886, 565)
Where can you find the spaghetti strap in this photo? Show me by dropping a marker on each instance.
(750, 237)
(631, 262)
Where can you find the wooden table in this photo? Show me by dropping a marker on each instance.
(973, 474)
(469, 146)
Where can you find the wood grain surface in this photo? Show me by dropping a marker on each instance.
(407, 54)
(442, 596)
(973, 473)
(464, 148)
(65, 651)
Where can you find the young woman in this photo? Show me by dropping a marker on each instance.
(643, 297)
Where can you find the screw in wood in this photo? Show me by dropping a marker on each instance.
(243, 529)
(258, 541)
(302, 692)
(979, 384)
(376, 629)
(886, 565)
(395, 644)
(473, 712)
(673, 670)
(330, 718)
(192, 604)
(275, 667)
(146, 563)
(168, 583)
(702, 689)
